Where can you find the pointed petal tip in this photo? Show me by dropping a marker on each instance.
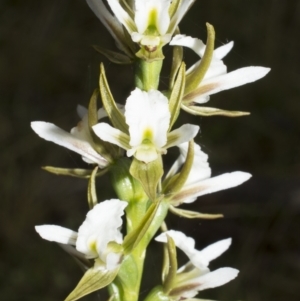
(57, 234)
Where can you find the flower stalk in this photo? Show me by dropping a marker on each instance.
(130, 146)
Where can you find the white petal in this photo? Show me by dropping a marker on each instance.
(113, 260)
(181, 11)
(187, 245)
(200, 169)
(81, 111)
(101, 226)
(193, 43)
(222, 51)
(183, 134)
(216, 249)
(144, 10)
(216, 278)
(122, 15)
(57, 234)
(216, 68)
(200, 99)
(233, 79)
(148, 117)
(111, 23)
(224, 181)
(51, 132)
(111, 134)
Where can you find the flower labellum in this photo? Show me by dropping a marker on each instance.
(216, 78)
(199, 181)
(148, 117)
(79, 140)
(99, 237)
(195, 276)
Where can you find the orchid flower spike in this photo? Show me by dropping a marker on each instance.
(216, 78)
(79, 140)
(151, 23)
(148, 117)
(99, 237)
(199, 181)
(195, 276)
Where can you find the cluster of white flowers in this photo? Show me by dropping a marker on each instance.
(144, 130)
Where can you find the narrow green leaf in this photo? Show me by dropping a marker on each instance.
(166, 259)
(206, 111)
(114, 57)
(114, 114)
(176, 95)
(177, 182)
(193, 214)
(73, 172)
(194, 78)
(93, 110)
(107, 150)
(172, 255)
(148, 175)
(92, 194)
(134, 237)
(176, 62)
(93, 280)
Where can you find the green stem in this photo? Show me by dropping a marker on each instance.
(147, 74)
(127, 284)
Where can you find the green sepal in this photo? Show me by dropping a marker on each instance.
(125, 185)
(92, 194)
(193, 214)
(176, 62)
(93, 111)
(114, 114)
(114, 57)
(147, 74)
(206, 111)
(73, 172)
(132, 239)
(105, 149)
(148, 174)
(194, 78)
(93, 280)
(172, 268)
(157, 294)
(177, 181)
(176, 95)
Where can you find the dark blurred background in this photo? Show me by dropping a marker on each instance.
(47, 67)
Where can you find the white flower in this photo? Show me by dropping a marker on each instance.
(147, 21)
(148, 117)
(199, 181)
(79, 140)
(195, 276)
(216, 78)
(95, 236)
